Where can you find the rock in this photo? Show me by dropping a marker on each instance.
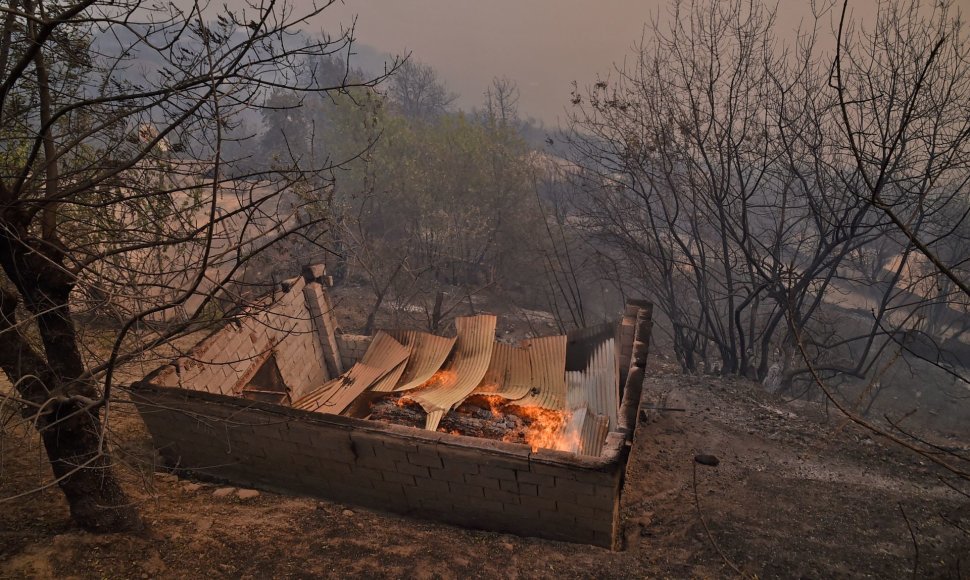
(348, 513)
(166, 477)
(224, 492)
(190, 487)
(247, 494)
(321, 505)
(707, 460)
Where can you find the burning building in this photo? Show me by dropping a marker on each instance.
(531, 438)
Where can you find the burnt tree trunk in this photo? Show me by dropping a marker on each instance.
(65, 408)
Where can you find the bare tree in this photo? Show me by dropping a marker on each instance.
(502, 103)
(118, 190)
(700, 164)
(418, 92)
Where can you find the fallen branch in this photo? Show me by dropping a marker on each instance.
(912, 535)
(710, 536)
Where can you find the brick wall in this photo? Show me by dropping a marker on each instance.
(462, 480)
(224, 361)
(352, 347)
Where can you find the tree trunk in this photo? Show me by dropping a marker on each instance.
(85, 475)
(65, 410)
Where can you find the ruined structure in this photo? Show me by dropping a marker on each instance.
(279, 399)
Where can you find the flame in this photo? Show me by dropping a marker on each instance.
(442, 377)
(496, 404)
(549, 429)
(489, 387)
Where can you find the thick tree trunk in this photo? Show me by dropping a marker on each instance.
(85, 475)
(64, 409)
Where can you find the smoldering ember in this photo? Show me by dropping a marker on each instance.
(317, 412)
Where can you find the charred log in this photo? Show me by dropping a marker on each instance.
(476, 417)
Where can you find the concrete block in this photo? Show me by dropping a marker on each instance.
(391, 455)
(556, 494)
(359, 473)
(463, 491)
(450, 464)
(557, 518)
(432, 486)
(498, 472)
(482, 481)
(595, 502)
(572, 487)
(582, 513)
(505, 497)
(535, 478)
(402, 478)
(424, 459)
(374, 462)
(415, 470)
(538, 503)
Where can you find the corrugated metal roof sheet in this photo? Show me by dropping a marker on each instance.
(428, 353)
(548, 360)
(583, 341)
(509, 373)
(384, 359)
(595, 429)
(463, 372)
(597, 386)
(572, 432)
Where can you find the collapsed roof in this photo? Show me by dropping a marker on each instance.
(553, 392)
(576, 376)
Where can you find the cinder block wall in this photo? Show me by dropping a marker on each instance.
(352, 347)
(226, 359)
(462, 480)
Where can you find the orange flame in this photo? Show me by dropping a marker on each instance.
(442, 377)
(496, 404)
(549, 429)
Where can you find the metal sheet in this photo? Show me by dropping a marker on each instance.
(452, 384)
(597, 386)
(571, 437)
(509, 373)
(335, 395)
(548, 361)
(428, 353)
(386, 352)
(383, 359)
(583, 341)
(595, 429)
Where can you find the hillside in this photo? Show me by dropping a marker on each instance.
(794, 495)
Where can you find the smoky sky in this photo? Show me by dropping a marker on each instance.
(543, 45)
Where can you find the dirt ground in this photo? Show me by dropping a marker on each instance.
(794, 496)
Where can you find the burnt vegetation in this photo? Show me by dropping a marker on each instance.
(796, 207)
